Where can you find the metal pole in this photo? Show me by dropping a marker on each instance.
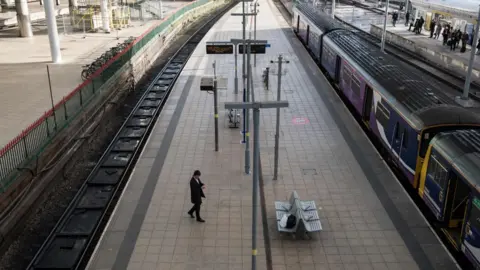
(236, 71)
(52, 31)
(333, 9)
(468, 79)
(255, 33)
(247, 115)
(244, 43)
(215, 101)
(277, 130)
(243, 73)
(214, 70)
(353, 13)
(51, 97)
(384, 33)
(256, 163)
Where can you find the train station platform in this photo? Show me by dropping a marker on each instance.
(368, 220)
(25, 94)
(430, 48)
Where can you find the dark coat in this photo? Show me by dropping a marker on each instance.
(196, 191)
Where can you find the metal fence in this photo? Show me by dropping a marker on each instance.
(28, 145)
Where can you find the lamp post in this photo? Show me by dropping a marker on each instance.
(384, 33)
(256, 106)
(464, 99)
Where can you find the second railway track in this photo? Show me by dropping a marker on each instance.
(75, 235)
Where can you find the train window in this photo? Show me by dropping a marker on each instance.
(397, 131)
(432, 167)
(382, 114)
(475, 214)
(346, 76)
(437, 172)
(405, 138)
(355, 85)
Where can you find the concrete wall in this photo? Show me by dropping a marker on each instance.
(442, 59)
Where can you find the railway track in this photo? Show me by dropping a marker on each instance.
(70, 243)
(441, 74)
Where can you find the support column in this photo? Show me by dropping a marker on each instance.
(52, 31)
(333, 9)
(464, 100)
(161, 10)
(23, 18)
(72, 6)
(105, 15)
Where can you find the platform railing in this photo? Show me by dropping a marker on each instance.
(16, 156)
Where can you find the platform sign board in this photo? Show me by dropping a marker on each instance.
(219, 48)
(254, 48)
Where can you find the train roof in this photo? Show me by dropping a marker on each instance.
(421, 101)
(461, 148)
(323, 21)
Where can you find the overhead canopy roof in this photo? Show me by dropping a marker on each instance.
(464, 9)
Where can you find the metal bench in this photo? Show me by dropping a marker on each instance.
(292, 211)
(285, 206)
(305, 212)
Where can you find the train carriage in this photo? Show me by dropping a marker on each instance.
(403, 110)
(305, 20)
(449, 184)
(412, 118)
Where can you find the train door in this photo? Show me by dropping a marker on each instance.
(396, 141)
(457, 200)
(298, 23)
(436, 186)
(338, 67)
(367, 105)
(308, 35)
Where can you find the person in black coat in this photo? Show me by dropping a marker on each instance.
(196, 189)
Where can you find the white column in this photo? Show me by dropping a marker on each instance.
(384, 33)
(161, 10)
(333, 9)
(52, 31)
(23, 18)
(464, 99)
(105, 15)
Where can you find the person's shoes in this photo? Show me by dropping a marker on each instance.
(200, 220)
(191, 215)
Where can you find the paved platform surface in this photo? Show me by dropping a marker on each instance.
(454, 60)
(369, 222)
(25, 92)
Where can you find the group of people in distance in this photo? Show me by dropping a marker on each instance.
(451, 37)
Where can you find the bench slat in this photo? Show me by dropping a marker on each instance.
(310, 216)
(308, 205)
(313, 226)
(282, 206)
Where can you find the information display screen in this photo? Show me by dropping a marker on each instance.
(220, 49)
(254, 48)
